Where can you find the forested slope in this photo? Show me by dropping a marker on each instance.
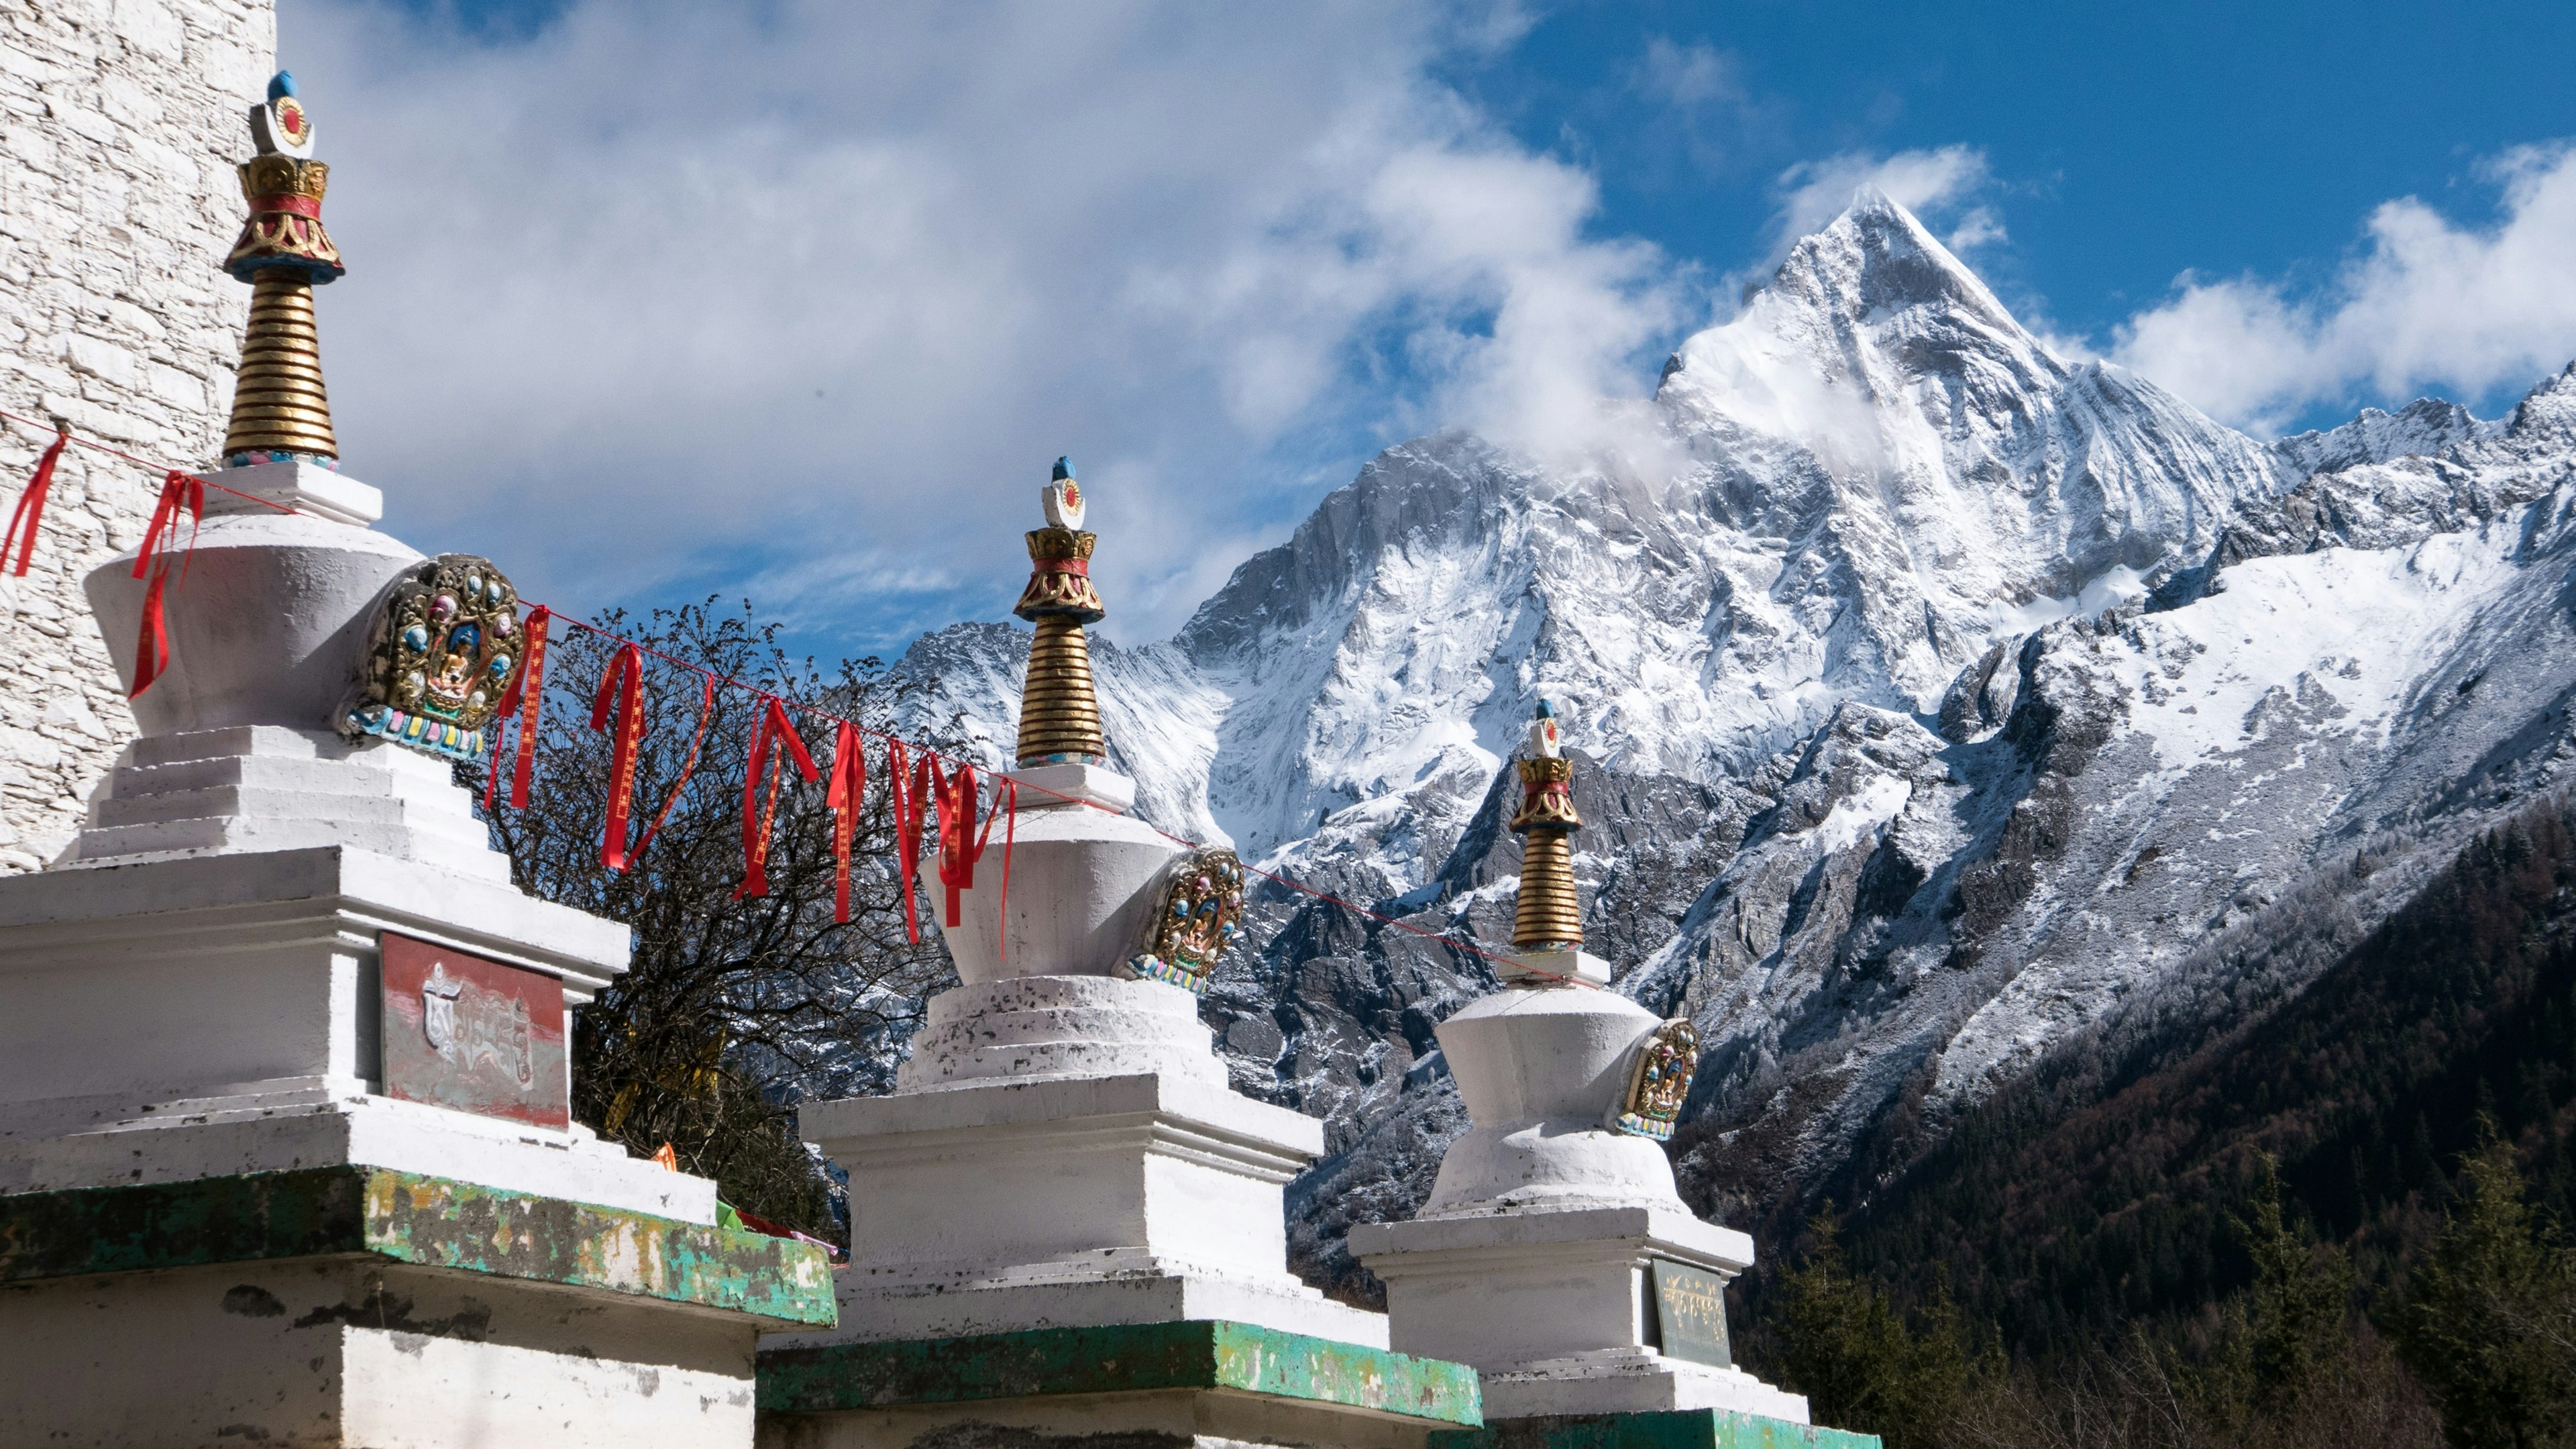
(2102, 1193)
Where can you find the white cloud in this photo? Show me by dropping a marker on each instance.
(1691, 76)
(1930, 184)
(2425, 305)
(668, 284)
(1978, 226)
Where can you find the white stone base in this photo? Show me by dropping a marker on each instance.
(1632, 1380)
(254, 788)
(341, 1351)
(323, 1125)
(195, 993)
(1050, 787)
(305, 487)
(1506, 1291)
(1001, 1205)
(1555, 1307)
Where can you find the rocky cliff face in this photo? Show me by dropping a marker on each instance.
(1936, 699)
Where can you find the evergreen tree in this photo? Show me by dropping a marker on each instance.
(2300, 1297)
(1850, 1351)
(2491, 1325)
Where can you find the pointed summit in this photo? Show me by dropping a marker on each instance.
(1878, 257)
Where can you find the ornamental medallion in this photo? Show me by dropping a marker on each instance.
(1659, 1080)
(444, 650)
(1202, 915)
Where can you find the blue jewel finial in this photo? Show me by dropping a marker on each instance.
(1064, 467)
(1545, 710)
(281, 85)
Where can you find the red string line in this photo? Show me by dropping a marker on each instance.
(1470, 947)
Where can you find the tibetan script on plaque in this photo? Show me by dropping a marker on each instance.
(473, 1034)
(1690, 1309)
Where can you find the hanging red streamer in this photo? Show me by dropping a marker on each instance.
(525, 698)
(688, 767)
(774, 728)
(152, 562)
(904, 793)
(848, 789)
(961, 845)
(31, 506)
(624, 683)
(1006, 798)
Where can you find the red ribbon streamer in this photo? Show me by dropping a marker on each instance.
(849, 786)
(152, 640)
(624, 682)
(960, 845)
(706, 712)
(775, 728)
(904, 793)
(532, 685)
(523, 698)
(31, 506)
(1006, 798)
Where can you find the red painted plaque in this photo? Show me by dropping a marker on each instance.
(472, 1033)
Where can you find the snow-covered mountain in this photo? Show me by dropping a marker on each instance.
(1938, 699)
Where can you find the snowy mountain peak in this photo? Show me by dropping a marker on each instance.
(1879, 473)
(2546, 417)
(2426, 426)
(1878, 258)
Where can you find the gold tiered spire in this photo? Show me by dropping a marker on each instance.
(280, 409)
(1549, 917)
(1059, 714)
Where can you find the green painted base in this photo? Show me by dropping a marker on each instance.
(1669, 1429)
(404, 1217)
(1194, 1354)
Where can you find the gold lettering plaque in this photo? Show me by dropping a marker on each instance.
(1690, 1309)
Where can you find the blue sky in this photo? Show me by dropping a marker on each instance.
(797, 301)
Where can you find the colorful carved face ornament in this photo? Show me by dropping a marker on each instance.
(1202, 915)
(1659, 1081)
(443, 653)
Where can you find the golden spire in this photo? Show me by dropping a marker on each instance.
(1059, 714)
(1548, 917)
(280, 410)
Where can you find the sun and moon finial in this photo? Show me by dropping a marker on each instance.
(1544, 741)
(281, 126)
(1062, 497)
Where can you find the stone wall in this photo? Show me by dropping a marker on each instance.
(120, 123)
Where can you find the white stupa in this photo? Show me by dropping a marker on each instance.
(1536, 1257)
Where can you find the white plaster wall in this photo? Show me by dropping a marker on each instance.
(321, 1353)
(120, 124)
